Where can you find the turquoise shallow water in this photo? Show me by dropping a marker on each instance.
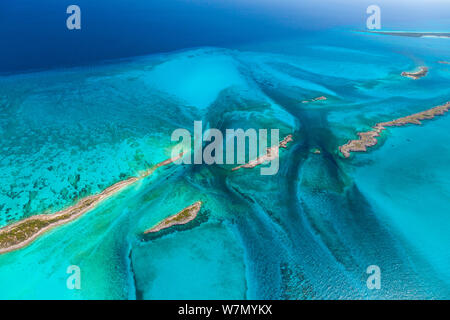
(308, 232)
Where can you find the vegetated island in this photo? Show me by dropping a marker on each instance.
(322, 98)
(22, 233)
(368, 139)
(184, 216)
(272, 153)
(421, 72)
(316, 151)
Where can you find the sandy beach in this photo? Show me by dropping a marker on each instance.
(272, 153)
(22, 233)
(184, 216)
(415, 75)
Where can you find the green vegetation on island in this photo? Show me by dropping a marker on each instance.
(184, 216)
(22, 233)
(368, 138)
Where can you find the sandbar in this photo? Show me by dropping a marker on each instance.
(322, 98)
(412, 34)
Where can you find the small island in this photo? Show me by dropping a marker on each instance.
(316, 151)
(322, 98)
(415, 75)
(22, 233)
(443, 62)
(368, 138)
(412, 34)
(184, 216)
(272, 153)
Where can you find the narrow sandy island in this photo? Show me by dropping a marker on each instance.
(443, 62)
(412, 34)
(368, 139)
(184, 216)
(22, 233)
(322, 98)
(421, 72)
(272, 153)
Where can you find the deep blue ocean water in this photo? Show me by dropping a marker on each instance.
(76, 125)
(34, 34)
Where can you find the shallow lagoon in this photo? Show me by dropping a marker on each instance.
(308, 232)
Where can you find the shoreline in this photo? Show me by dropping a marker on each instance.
(368, 139)
(321, 98)
(411, 34)
(24, 232)
(416, 75)
(184, 216)
(272, 153)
